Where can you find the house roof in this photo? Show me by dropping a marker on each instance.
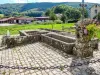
(94, 5)
(24, 18)
(6, 19)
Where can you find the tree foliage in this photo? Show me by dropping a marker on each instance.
(8, 9)
(85, 12)
(1, 15)
(32, 13)
(69, 12)
(47, 13)
(97, 16)
(53, 16)
(64, 18)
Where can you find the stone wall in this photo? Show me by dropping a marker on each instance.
(51, 30)
(56, 40)
(57, 43)
(32, 32)
(21, 40)
(62, 38)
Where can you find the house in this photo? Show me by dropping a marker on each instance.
(6, 20)
(41, 18)
(22, 20)
(94, 10)
(19, 20)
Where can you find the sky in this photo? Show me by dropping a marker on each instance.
(29, 1)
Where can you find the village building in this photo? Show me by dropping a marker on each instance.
(22, 20)
(41, 18)
(94, 10)
(7, 20)
(19, 20)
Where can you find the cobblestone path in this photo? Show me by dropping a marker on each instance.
(40, 54)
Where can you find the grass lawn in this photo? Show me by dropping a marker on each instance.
(15, 28)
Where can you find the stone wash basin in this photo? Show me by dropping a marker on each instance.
(61, 37)
(58, 41)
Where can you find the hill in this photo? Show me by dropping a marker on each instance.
(8, 9)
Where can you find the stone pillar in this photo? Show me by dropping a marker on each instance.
(83, 43)
(83, 49)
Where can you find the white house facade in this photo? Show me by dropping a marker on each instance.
(94, 10)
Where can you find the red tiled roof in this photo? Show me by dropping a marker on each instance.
(6, 19)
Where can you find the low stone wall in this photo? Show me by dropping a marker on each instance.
(59, 44)
(32, 32)
(52, 30)
(62, 38)
(21, 40)
(23, 33)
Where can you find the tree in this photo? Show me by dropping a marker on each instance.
(64, 18)
(70, 12)
(73, 14)
(16, 14)
(61, 8)
(53, 16)
(1, 15)
(98, 16)
(47, 13)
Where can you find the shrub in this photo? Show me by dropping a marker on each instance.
(44, 22)
(91, 31)
(48, 22)
(58, 21)
(37, 22)
(72, 21)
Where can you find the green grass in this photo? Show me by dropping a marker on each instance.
(15, 28)
(98, 33)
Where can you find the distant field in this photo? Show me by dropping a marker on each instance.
(15, 28)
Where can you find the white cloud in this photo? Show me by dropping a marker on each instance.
(25, 1)
(19, 1)
(92, 1)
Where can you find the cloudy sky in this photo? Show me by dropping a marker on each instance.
(25, 1)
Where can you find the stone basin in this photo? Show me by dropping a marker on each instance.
(31, 32)
(59, 41)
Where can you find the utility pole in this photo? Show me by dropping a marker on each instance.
(83, 5)
(82, 45)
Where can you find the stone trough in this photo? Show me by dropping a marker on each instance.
(32, 32)
(56, 40)
(61, 42)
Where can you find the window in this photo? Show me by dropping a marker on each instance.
(96, 6)
(96, 11)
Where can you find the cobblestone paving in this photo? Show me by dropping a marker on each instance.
(40, 54)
